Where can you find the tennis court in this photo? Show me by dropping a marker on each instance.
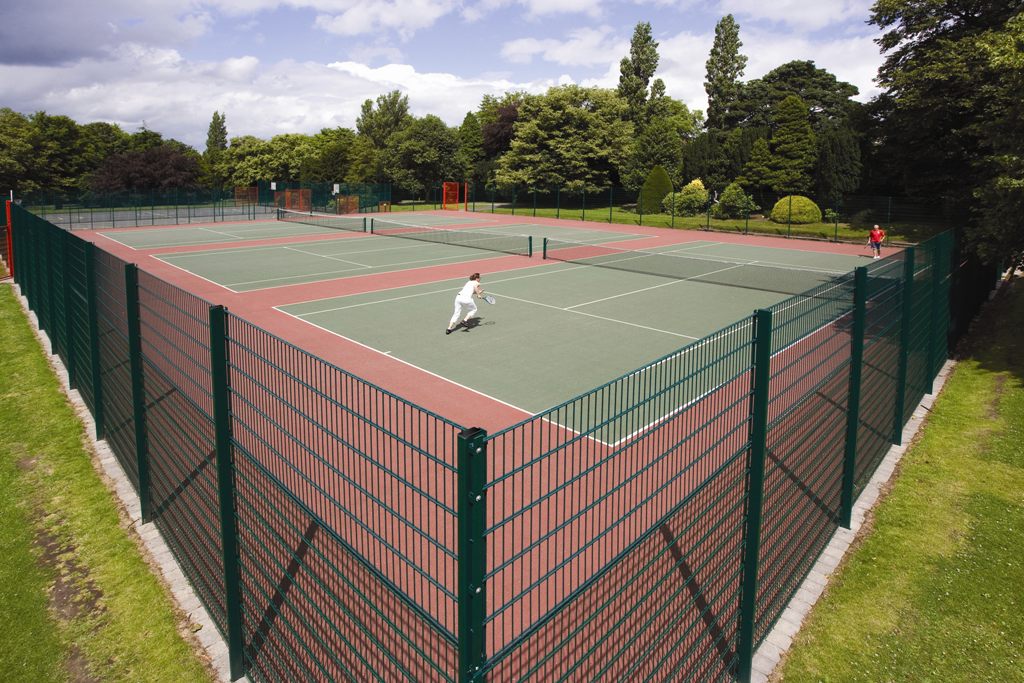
(246, 269)
(558, 329)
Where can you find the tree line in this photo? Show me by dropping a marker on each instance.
(946, 128)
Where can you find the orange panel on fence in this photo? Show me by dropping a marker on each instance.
(344, 203)
(279, 200)
(450, 196)
(246, 196)
(384, 207)
(10, 242)
(298, 200)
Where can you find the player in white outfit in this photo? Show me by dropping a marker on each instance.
(464, 299)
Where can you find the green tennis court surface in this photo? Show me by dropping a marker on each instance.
(261, 230)
(245, 269)
(558, 329)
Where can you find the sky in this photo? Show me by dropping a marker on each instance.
(297, 66)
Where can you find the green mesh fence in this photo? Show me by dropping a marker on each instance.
(338, 532)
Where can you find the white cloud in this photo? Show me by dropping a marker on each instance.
(585, 46)
(798, 14)
(366, 16)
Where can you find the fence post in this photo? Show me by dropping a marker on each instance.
(709, 213)
(472, 561)
(534, 201)
(836, 238)
(905, 326)
(131, 295)
(226, 486)
(558, 201)
(856, 371)
(755, 490)
(69, 345)
(933, 326)
(584, 218)
(789, 219)
(611, 205)
(673, 208)
(492, 198)
(94, 338)
(640, 205)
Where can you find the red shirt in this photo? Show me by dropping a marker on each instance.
(877, 235)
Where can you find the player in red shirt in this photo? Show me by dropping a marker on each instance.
(875, 240)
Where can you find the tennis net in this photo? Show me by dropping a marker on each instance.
(521, 245)
(322, 220)
(745, 275)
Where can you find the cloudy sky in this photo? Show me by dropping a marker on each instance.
(287, 66)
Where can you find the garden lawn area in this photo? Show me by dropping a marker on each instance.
(77, 601)
(935, 592)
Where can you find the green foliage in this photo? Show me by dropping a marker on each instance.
(657, 146)
(217, 135)
(724, 68)
(827, 98)
(390, 116)
(689, 201)
(248, 160)
(636, 71)
(425, 153)
(733, 203)
(757, 171)
(799, 211)
(570, 137)
(697, 157)
(331, 158)
(657, 187)
(497, 135)
(838, 168)
(731, 156)
(472, 138)
(489, 105)
(792, 148)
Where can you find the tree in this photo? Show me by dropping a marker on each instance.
(390, 116)
(827, 98)
(731, 156)
(497, 136)
(18, 138)
(160, 167)
(658, 146)
(571, 136)
(489, 105)
(698, 155)
(792, 148)
(757, 172)
(837, 170)
(657, 186)
(331, 158)
(425, 153)
(724, 68)
(217, 135)
(636, 71)
(144, 139)
(61, 151)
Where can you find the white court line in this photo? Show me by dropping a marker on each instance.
(233, 291)
(330, 258)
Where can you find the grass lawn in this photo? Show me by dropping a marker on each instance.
(936, 591)
(77, 601)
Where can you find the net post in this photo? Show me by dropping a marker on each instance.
(371, 225)
(472, 559)
(545, 249)
(761, 379)
(364, 223)
(94, 337)
(529, 240)
(905, 325)
(856, 374)
(226, 486)
(69, 346)
(131, 293)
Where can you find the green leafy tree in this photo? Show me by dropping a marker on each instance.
(144, 139)
(792, 148)
(724, 68)
(366, 163)
(489, 105)
(424, 153)
(827, 98)
(61, 150)
(497, 135)
(217, 134)
(331, 158)
(734, 203)
(636, 71)
(657, 147)
(18, 140)
(248, 159)
(757, 172)
(390, 116)
(698, 155)
(731, 156)
(837, 170)
(655, 189)
(160, 167)
(571, 136)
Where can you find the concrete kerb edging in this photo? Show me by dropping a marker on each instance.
(158, 555)
(778, 641)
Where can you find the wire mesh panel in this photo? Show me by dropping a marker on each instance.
(176, 385)
(115, 367)
(574, 488)
(41, 277)
(59, 333)
(78, 301)
(379, 471)
(808, 406)
(314, 610)
(880, 370)
(919, 378)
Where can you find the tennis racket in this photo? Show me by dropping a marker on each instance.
(490, 299)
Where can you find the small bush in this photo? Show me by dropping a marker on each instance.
(689, 201)
(804, 211)
(657, 186)
(733, 203)
(831, 216)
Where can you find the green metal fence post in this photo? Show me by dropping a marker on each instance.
(558, 201)
(836, 238)
(94, 338)
(69, 346)
(888, 217)
(856, 373)
(472, 561)
(905, 325)
(746, 225)
(640, 205)
(708, 229)
(492, 198)
(789, 219)
(673, 208)
(534, 201)
(131, 296)
(226, 486)
(584, 218)
(755, 490)
(611, 205)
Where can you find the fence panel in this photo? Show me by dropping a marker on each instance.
(79, 303)
(919, 377)
(57, 274)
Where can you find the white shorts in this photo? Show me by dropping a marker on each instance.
(461, 303)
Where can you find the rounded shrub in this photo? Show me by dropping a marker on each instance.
(733, 203)
(689, 201)
(804, 211)
(654, 191)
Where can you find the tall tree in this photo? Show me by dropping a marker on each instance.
(657, 145)
(490, 104)
(636, 71)
(424, 153)
(390, 116)
(497, 136)
(697, 158)
(18, 138)
(331, 158)
(160, 167)
(217, 134)
(757, 172)
(724, 68)
(827, 98)
(792, 147)
(837, 168)
(571, 136)
(731, 156)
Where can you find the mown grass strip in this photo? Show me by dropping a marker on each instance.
(77, 601)
(936, 592)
